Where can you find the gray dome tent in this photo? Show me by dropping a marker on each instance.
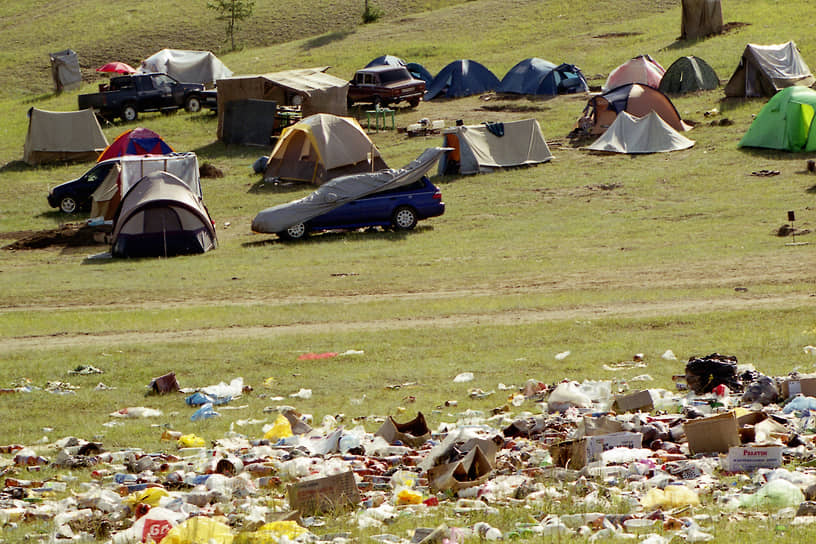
(688, 74)
(161, 217)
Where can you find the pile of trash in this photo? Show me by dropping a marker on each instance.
(727, 437)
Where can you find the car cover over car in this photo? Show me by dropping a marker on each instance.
(341, 190)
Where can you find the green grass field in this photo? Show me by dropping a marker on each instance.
(603, 256)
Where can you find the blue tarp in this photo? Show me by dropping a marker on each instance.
(462, 78)
(541, 77)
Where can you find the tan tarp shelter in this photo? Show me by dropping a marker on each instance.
(649, 134)
(322, 147)
(482, 148)
(62, 136)
(65, 70)
(161, 217)
(765, 69)
(700, 18)
(311, 88)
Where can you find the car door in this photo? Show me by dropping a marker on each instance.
(166, 88)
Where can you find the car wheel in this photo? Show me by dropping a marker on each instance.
(130, 113)
(377, 102)
(193, 104)
(68, 204)
(414, 102)
(295, 232)
(404, 218)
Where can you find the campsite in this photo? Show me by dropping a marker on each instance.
(587, 266)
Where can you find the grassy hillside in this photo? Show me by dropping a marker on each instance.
(129, 32)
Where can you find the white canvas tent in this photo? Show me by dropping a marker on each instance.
(480, 148)
(130, 169)
(62, 136)
(631, 134)
(187, 66)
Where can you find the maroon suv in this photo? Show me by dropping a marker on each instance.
(383, 85)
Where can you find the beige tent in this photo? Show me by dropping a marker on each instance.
(701, 18)
(322, 147)
(311, 88)
(63, 136)
(649, 134)
(482, 148)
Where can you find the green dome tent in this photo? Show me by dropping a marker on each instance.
(688, 74)
(785, 122)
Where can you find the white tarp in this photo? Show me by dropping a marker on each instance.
(765, 69)
(649, 134)
(187, 66)
(341, 190)
(132, 168)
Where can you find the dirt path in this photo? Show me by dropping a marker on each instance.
(740, 301)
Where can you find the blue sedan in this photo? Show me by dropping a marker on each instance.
(399, 208)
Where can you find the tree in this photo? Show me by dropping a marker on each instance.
(231, 11)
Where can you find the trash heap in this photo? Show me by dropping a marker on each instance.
(619, 461)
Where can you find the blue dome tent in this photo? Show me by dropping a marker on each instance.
(541, 77)
(419, 72)
(462, 78)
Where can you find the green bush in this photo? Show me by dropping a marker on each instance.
(371, 13)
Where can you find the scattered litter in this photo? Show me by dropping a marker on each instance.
(563, 355)
(765, 173)
(463, 377)
(669, 355)
(315, 356)
(84, 370)
(135, 412)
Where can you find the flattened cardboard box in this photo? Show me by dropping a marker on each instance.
(714, 434)
(750, 458)
(413, 433)
(575, 454)
(805, 385)
(473, 469)
(641, 401)
(324, 494)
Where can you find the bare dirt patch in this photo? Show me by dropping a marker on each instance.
(67, 235)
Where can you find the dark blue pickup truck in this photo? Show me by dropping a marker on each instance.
(126, 96)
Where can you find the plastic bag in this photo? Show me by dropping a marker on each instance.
(569, 393)
(281, 428)
(191, 441)
(199, 529)
(777, 493)
(278, 531)
(674, 496)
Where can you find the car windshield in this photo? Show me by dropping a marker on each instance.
(392, 76)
